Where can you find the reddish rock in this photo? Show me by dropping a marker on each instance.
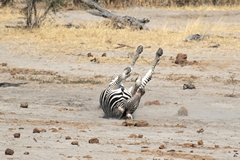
(133, 136)
(36, 130)
(181, 59)
(200, 142)
(9, 151)
(128, 122)
(104, 55)
(162, 146)
(89, 54)
(142, 123)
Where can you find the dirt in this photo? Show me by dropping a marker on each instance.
(62, 96)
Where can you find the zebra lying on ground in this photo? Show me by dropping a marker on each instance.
(116, 101)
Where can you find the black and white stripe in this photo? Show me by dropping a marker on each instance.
(117, 101)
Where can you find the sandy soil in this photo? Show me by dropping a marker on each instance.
(60, 108)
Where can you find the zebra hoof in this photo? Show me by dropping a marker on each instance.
(129, 116)
(139, 49)
(159, 52)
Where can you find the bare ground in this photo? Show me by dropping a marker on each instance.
(62, 94)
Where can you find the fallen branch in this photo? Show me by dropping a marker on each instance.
(119, 21)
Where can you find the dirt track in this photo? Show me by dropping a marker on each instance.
(65, 106)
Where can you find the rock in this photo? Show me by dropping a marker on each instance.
(87, 156)
(24, 105)
(141, 123)
(16, 135)
(89, 54)
(4, 64)
(26, 153)
(74, 143)
(54, 129)
(36, 130)
(200, 142)
(188, 86)
(9, 151)
(93, 140)
(128, 122)
(104, 55)
(156, 102)
(200, 130)
(181, 59)
(68, 138)
(133, 136)
(162, 146)
(140, 136)
(148, 103)
(183, 111)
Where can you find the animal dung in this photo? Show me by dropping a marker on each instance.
(36, 130)
(9, 151)
(93, 140)
(16, 135)
(24, 105)
(74, 143)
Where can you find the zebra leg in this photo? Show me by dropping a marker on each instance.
(132, 104)
(148, 75)
(135, 87)
(136, 56)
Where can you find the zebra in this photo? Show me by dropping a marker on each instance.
(116, 101)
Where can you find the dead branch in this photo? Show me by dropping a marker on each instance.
(120, 21)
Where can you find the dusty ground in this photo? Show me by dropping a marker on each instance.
(62, 95)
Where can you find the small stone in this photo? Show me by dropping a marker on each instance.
(9, 151)
(36, 130)
(200, 130)
(26, 153)
(104, 55)
(68, 137)
(156, 102)
(142, 123)
(162, 146)
(24, 105)
(191, 151)
(148, 103)
(128, 122)
(87, 156)
(140, 136)
(54, 130)
(74, 143)
(181, 59)
(4, 64)
(200, 142)
(216, 146)
(93, 140)
(16, 135)
(89, 54)
(183, 111)
(133, 136)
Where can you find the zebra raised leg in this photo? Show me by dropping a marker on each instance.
(132, 104)
(115, 95)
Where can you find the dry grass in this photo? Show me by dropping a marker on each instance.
(101, 36)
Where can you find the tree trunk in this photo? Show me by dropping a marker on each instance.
(120, 21)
